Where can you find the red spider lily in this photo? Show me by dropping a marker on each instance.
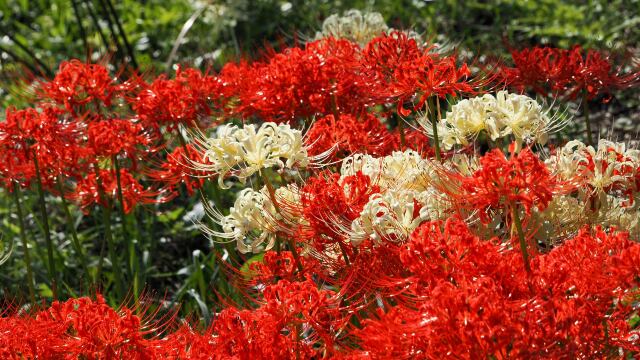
(544, 69)
(430, 76)
(116, 137)
(15, 167)
(522, 180)
(272, 331)
(77, 84)
(597, 76)
(387, 54)
(349, 135)
(328, 201)
(185, 100)
(367, 134)
(475, 302)
(77, 328)
(55, 142)
(87, 192)
(176, 170)
(322, 78)
(548, 69)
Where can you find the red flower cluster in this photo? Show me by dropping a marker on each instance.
(328, 201)
(476, 300)
(331, 76)
(82, 127)
(89, 188)
(522, 180)
(78, 328)
(454, 294)
(187, 99)
(78, 84)
(373, 278)
(176, 170)
(350, 135)
(571, 72)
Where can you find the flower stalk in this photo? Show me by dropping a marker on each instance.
(129, 239)
(585, 110)
(47, 232)
(108, 236)
(517, 223)
(25, 244)
(434, 125)
(74, 234)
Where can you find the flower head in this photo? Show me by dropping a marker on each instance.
(77, 84)
(241, 152)
(354, 25)
(521, 180)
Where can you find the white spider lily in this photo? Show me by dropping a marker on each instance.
(354, 25)
(254, 220)
(499, 116)
(600, 168)
(241, 152)
(386, 217)
(251, 223)
(406, 169)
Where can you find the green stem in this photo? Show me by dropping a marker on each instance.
(74, 234)
(47, 231)
(25, 244)
(131, 251)
(523, 242)
(122, 34)
(585, 110)
(434, 125)
(108, 236)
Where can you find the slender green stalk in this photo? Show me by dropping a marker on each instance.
(25, 244)
(131, 247)
(523, 242)
(19, 59)
(74, 234)
(125, 232)
(45, 70)
(290, 242)
(83, 33)
(47, 231)
(585, 110)
(122, 34)
(108, 236)
(96, 23)
(434, 125)
(202, 286)
(106, 15)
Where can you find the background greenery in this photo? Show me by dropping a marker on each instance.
(179, 263)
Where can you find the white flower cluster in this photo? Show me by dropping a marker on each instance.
(241, 152)
(412, 190)
(610, 164)
(254, 220)
(606, 179)
(499, 116)
(354, 26)
(406, 200)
